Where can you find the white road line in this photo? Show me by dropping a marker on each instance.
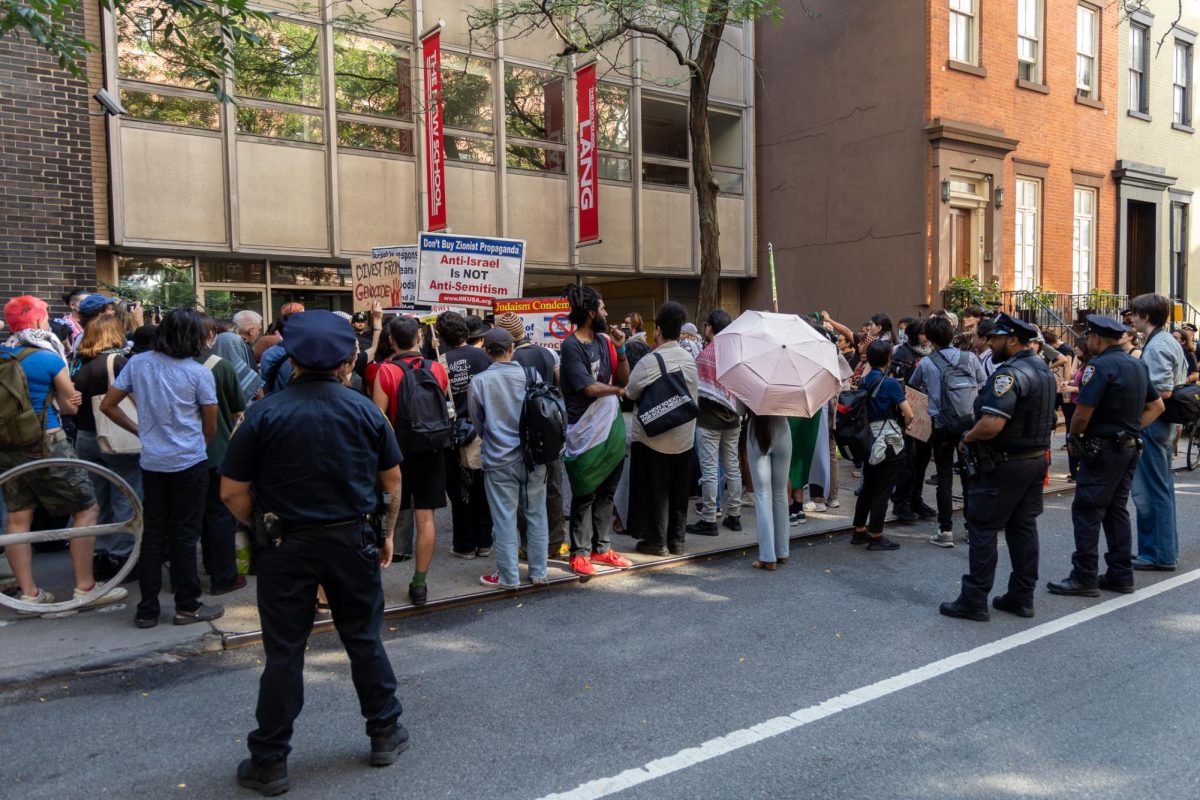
(603, 787)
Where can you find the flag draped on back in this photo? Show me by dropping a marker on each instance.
(595, 445)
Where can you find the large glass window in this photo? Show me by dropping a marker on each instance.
(963, 31)
(373, 92)
(534, 114)
(1182, 99)
(1083, 241)
(1139, 95)
(154, 281)
(613, 131)
(467, 108)
(1086, 35)
(665, 142)
(217, 270)
(1029, 40)
(1179, 247)
(310, 275)
(1025, 261)
(284, 69)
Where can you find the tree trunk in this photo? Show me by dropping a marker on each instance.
(702, 174)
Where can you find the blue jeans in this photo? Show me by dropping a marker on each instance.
(718, 452)
(114, 505)
(770, 473)
(508, 489)
(1154, 496)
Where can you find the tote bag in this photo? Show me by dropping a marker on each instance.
(111, 437)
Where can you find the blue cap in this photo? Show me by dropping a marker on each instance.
(95, 303)
(319, 340)
(1106, 327)
(1006, 325)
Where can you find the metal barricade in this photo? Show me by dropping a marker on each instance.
(132, 526)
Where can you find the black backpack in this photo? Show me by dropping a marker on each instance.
(543, 421)
(422, 415)
(852, 425)
(1183, 405)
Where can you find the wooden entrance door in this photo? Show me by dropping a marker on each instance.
(960, 243)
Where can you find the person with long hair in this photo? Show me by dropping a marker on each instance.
(769, 451)
(177, 417)
(102, 351)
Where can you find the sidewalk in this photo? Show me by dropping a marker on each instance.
(33, 648)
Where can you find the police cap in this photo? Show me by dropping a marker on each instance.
(1106, 327)
(1007, 325)
(319, 340)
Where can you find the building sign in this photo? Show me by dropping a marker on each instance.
(435, 153)
(407, 256)
(469, 270)
(545, 318)
(589, 197)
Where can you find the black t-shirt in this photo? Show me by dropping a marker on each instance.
(582, 365)
(464, 363)
(537, 358)
(92, 381)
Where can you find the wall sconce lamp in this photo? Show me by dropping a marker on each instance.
(946, 190)
(999, 202)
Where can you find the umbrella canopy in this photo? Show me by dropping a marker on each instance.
(777, 364)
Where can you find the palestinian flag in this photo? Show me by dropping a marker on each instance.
(595, 445)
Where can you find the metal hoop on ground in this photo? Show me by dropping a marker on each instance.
(132, 526)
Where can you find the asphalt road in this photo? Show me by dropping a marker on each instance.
(563, 689)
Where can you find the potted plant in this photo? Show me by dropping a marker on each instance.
(1098, 301)
(1030, 303)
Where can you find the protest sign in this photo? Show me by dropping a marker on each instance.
(921, 427)
(469, 270)
(376, 279)
(407, 253)
(545, 318)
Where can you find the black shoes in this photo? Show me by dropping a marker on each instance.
(1072, 587)
(675, 550)
(732, 523)
(904, 513)
(387, 747)
(959, 610)
(419, 595)
(1003, 602)
(703, 528)
(268, 779)
(882, 543)
(1109, 585)
(1142, 565)
(860, 537)
(923, 510)
(649, 549)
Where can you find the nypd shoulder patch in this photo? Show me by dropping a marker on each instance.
(1002, 384)
(1088, 372)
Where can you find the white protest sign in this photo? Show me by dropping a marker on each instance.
(469, 270)
(407, 253)
(545, 318)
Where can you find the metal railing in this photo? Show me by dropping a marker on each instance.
(132, 526)
(1057, 311)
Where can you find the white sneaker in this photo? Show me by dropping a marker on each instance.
(114, 595)
(41, 598)
(813, 506)
(833, 504)
(942, 539)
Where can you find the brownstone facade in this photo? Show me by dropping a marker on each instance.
(47, 233)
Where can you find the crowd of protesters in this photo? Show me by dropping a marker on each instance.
(457, 393)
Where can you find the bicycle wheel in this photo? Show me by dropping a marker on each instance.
(1193, 450)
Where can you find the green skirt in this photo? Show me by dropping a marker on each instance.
(804, 446)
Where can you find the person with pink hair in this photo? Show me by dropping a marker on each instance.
(39, 354)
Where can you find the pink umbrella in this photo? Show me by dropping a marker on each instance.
(777, 364)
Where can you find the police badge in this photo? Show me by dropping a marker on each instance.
(1002, 384)
(1088, 372)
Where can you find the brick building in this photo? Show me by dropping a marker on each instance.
(930, 140)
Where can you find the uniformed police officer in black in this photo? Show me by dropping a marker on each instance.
(305, 466)
(1006, 451)
(1116, 400)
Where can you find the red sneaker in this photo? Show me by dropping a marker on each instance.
(581, 566)
(611, 558)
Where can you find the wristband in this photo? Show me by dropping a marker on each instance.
(621, 350)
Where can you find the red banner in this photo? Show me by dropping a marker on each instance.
(589, 196)
(435, 153)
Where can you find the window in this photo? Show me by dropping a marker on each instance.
(1029, 40)
(725, 139)
(310, 275)
(1179, 247)
(535, 115)
(1139, 99)
(1083, 241)
(467, 108)
(1182, 100)
(664, 142)
(373, 92)
(1086, 36)
(612, 132)
(166, 282)
(216, 270)
(278, 82)
(963, 31)
(1025, 261)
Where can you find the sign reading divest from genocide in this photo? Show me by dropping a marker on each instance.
(469, 270)
(545, 318)
(407, 253)
(376, 279)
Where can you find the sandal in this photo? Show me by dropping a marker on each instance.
(767, 565)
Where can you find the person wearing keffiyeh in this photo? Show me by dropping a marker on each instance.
(718, 431)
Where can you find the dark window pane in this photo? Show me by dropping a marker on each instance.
(279, 124)
(730, 182)
(171, 109)
(221, 304)
(533, 104)
(166, 282)
(664, 128)
(472, 151)
(375, 137)
(222, 271)
(541, 159)
(310, 275)
(615, 169)
(372, 76)
(612, 111)
(665, 174)
(285, 66)
(725, 138)
(466, 93)
(330, 301)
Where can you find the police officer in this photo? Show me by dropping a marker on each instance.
(1006, 451)
(304, 468)
(1116, 400)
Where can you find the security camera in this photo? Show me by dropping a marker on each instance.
(111, 104)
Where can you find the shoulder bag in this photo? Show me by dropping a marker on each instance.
(111, 437)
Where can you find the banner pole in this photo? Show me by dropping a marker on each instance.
(774, 290)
